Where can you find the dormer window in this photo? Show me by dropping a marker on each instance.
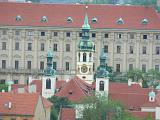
(69, 20)
(94, 20)
(18, 18)
(44, 19)
(120, 21)
(144, 21)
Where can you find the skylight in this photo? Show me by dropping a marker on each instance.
(44, 19)
(94, 20)
(144, 21)
(18, 18)
(69, 20)
(120, 21)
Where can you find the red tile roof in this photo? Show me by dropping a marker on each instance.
(115, 87)
(143, 115)
(22, 104)
(75, 90)
(57, 15)
(67, 114)
(131, 101)
(60, 84)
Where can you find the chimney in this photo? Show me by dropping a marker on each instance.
(9, 105)
(129, 82)
(32, 88)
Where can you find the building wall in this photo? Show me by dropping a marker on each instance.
(39, 113)
(113, 38)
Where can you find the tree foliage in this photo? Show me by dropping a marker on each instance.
(3, 87)
(102, 108)
(58, 102)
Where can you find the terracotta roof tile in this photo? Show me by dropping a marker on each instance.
(143, 115)
(22, 104)
(75, 89)
(67, 114)
(58, 13)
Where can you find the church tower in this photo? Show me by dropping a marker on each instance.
(49, 78)
(85, 54)
(102, 76)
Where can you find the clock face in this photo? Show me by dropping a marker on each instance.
(84, 69)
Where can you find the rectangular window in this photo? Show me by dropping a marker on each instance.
(130, 67)
(42, 33)
(105, 48)
(4, 32)
(42, 65)
(42, 46)
(3, 64)
(131, 49)
(3, 45)
(143, 67)
(15, 81)
(17, 32)
(157, 37)
(67, 47)
(119, 36)
(117, 67)
(29, 64)
(55, 47)
(93, 67)
(93, 35)
(16, 45)
(131, 35)
(30, 33)
(16, 64)
(29, 46)
(157, 67)
(80, 34)
(118, 49)
(2, 81)
(106, 35)
(55, 65)
(68, 34)
(157, 50)
(67, 66)
(145, 36)
(144, 50)
(55, 34)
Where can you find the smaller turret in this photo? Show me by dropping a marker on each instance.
(49, 78)
(102, 76)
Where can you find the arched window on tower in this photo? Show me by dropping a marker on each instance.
(90, 56)
(48, 83)
(84, 57)
(79, 55)
(101, 86)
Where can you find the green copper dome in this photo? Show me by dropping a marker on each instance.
(86, 45)
(152, 94)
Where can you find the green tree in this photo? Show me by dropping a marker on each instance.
(58, 102)
(102, 108)
(152, 77)
(3, 87)
(135, 74)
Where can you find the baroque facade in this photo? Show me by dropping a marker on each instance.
(130, 38)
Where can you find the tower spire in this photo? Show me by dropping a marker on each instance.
(86, 23)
